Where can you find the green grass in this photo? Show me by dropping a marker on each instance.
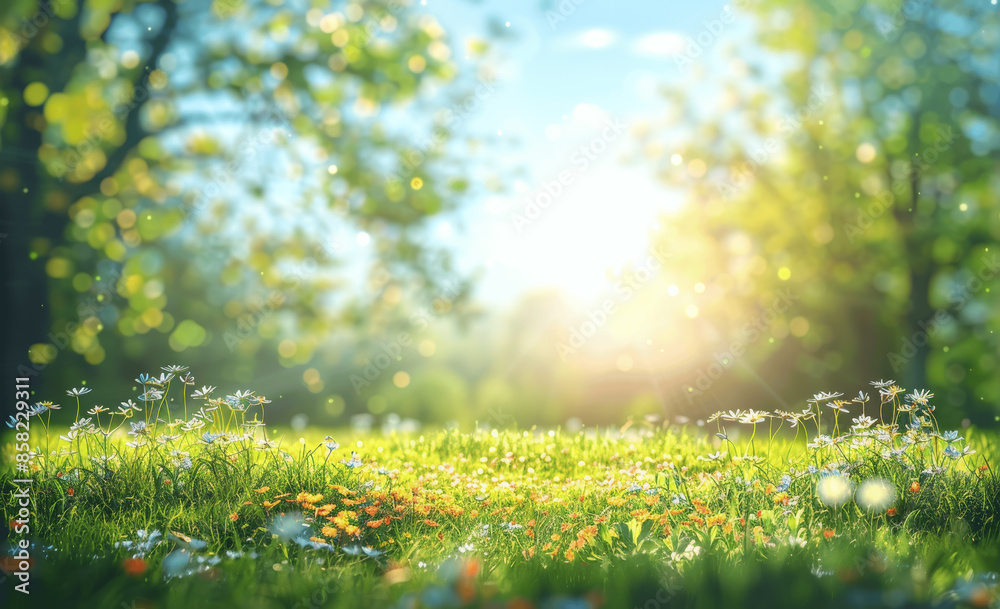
(641, 518)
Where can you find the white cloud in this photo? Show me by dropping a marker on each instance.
(659, 45)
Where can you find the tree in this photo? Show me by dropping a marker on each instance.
(859, 176)
(204, 171)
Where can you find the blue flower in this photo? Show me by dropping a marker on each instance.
(786, 481)
(353, 462)
(952, 452)
(950, 436)
(12, 421)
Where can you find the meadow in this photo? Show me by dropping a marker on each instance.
(185, 498)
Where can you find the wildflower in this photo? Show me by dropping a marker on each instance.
(234, 516)
(823, 395)
(210, 438)
(820, 441)
(151, 395)
(752, 417)
(862, 398)
(950, 436)
(134, 567)
(838, 405)
(915, 487)
(888, 393)
(713, 457)
(829, 533)
(952, 452)
(891, 512)
(863, 422)
(431, 523)
(78, 392)
(173, 368)
(881, 384)
(733, 415)
(138, 429)
(354, 461)
(80, 424)
(97, 410)
(163, 379)
(203, 392)
(331, 445)
(920, 397)
(786, 481)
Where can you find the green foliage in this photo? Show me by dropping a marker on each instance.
(198, 171)
(645, 513)
(852, 163)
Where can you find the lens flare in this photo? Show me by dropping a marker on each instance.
(834, 490)
(877, 494)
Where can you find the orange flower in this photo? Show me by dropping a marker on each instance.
(329, 531)
(134, 567)
(718, 519)
(828, 533)
(891, 511)
(915, 487)
(374, 524)
(474, 513)
(431, 523)
(270, 504)
(570, 555)
(262, 489)
(234, 516)
(352, 530)
(587, 532)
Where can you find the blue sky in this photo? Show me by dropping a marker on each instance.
(560, 85)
